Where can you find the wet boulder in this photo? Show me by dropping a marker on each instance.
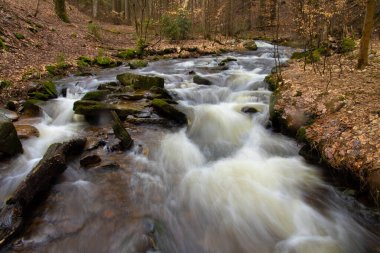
(10, 144)
(250, 45)
(36, 184)
(136, 64)
(201, 80)
(27, 131)
(169, 111)
(140, 81)
(227, 60)
(31, 109)
(11, 115)
(90, 160)
(120, 132)
(249, 110)
(43, 91)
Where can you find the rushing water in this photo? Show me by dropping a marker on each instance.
(225, 183)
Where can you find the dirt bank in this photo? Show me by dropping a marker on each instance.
(337, 114)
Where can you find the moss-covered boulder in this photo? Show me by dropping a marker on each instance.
(250, 45)
(136, 64)
(43, 91)
(96, 108)
(201, 80)
(98, 95)
(10, 144)
(141, 82)
(227, 60)
(169, 111)
(120, 132)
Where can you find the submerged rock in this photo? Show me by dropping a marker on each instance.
(201, 80)
(27, 131)
(169, 111)
(225, 61)
(141, 82)
(10, 144)
(90, 160)
(249, 109)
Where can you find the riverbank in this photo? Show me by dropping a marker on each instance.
(30, 44)
(337, 115)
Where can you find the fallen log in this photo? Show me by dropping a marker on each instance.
(36, 184)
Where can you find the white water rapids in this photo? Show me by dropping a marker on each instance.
(225, 183)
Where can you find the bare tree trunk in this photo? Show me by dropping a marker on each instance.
(366, 36)
(60, 10)
(94, 8)
(37, 8)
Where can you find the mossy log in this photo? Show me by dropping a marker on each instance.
(37, 183)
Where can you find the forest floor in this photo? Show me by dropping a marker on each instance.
(30, 42)
(342, 110)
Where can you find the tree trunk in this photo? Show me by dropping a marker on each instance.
(60, 10)
(94, 8)
(366, 36)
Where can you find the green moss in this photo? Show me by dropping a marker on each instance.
(299, 55)
(347, 45)
(250, 45)
(38, 95)
(84, 61)
(120, 132)
(106, 62)
(19, 36)
(135, 64)
(57, 69)
(3, 45)
(50, 89)
(272, 82)
(5, 84)
(98, 95)
(127, 54)
(301, 134)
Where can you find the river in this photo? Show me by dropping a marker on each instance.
(224, 183)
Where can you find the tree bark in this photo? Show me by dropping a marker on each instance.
(94, 8)
(60, 10)
(366, 36)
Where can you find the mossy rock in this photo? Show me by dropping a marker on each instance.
(201, 80)
(43, 91)
(161, 93)
(169, 111)
(250, 45)
(10, 144)
(96, 108)
(106, 62)
(110, 86)
(98, 95)
(120, 132)
(136, 64)
(141, 82)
